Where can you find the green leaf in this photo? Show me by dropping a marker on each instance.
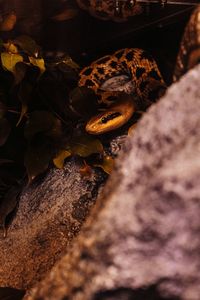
(38, 62)
(69, 62)
(83, 102)
(10, 48)
(60, 158)
(9, 61)
(69, 74)
(5, 129)
(28, 45)
(24, 110)
(85, 145)
(42, 121)
(24, 94)
(37, 158)
(20, 72)
(107, 164)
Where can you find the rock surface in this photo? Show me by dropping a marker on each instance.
(143, 236)
(49, 215)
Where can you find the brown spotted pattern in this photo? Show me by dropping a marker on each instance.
(144, 75)
(135, 63)
(116, 10)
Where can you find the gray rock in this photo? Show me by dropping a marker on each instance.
(49, 215)
(144, 229)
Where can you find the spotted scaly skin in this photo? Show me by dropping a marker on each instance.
(144, 74)
(189, 53)
(115, 10)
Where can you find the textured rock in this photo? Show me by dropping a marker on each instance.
(144, 230)
(49, 215)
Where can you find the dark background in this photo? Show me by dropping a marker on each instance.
(85, 38)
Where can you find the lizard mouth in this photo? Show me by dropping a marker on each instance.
(114, 117)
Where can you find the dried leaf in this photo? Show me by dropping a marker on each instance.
(10, 48)
(86, 170)
(38, 62)
(5, 129)
(9, 61)
(9, 22)
(28, 45)
(66, 14)
(85, 145)
(60, 158)
(107, 164)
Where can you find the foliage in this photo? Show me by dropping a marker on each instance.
(42, 118)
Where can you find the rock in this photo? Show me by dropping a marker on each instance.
(142, 238)
(49, 215)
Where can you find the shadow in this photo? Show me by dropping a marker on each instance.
(11, 294)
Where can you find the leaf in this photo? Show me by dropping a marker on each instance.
(20, 72)
(66, 14)
(38, 157)
(85, 146)
(28, 45)
(24, 110)
(83, 102)
(69, 62)
(24, 95)
(38, 62)
(5, 129)
(8, 203)
(69, 74)
(60, 158)
(10, 48)
(9, 61)
(42, 121)
(86, 170)
(9, 22)
(107, 164)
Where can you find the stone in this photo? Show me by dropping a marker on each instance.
(142, 237)
(50, 213)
